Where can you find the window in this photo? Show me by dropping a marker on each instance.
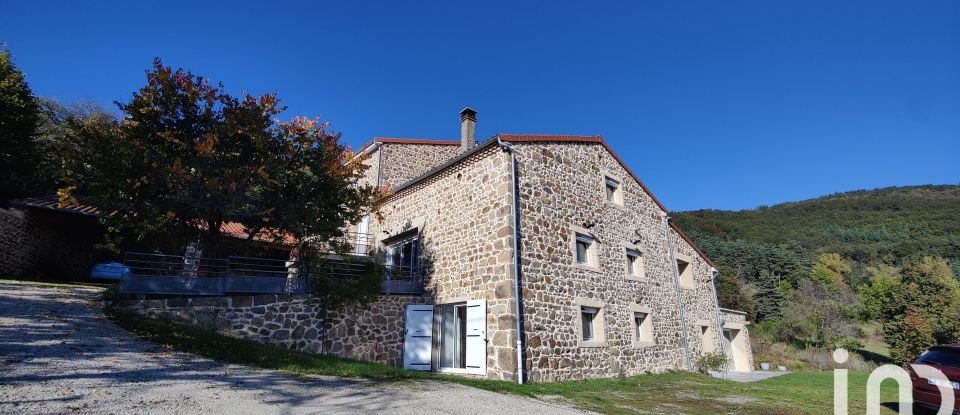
(940, 357)
(402, 256)
(614, 192)
(634, 263)
(588, 317)
(584, 250)
(638, 323)
(707, 338)
(590, 325)
(642, 326)
(685, 270)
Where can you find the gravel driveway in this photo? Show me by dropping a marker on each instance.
(58, 354)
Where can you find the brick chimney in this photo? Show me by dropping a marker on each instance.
(468, 129)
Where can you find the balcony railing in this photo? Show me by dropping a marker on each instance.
(149, 273)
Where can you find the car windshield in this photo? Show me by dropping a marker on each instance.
(939, 357)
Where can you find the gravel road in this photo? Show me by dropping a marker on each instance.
(59, 355)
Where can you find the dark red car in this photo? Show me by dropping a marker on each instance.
(945, 358)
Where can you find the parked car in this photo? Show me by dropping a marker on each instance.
(114, 271)
(945, 358)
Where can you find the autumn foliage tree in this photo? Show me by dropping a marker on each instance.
(188, 157)
(923, 310)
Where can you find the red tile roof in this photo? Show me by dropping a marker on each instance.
(53, 203)
(232, 229)
(388, 140)
(239, 231)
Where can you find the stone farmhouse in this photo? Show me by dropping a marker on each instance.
(530, 257)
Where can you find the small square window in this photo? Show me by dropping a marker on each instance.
(614, 192)
(588, 316)
(584, 248)
(634, 263)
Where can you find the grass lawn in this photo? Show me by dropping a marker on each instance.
(679, 392)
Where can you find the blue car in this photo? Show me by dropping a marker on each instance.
(109, 271)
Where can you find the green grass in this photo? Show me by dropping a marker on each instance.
(797, 393)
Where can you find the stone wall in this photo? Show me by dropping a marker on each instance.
(562, 190)
(294, 322)
(400, 163)
(463, 217)
(373, 333)
(19, 243)
(46, 244)
(297, 322)
(698, 302)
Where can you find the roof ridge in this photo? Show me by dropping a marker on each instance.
(432, 141)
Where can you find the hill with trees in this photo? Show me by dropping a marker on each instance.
(814, 273)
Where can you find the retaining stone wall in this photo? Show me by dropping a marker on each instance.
(19, 243)
(297, 322)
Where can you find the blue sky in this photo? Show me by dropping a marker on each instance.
(714, 104)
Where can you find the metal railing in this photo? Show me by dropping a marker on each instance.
(150, 273)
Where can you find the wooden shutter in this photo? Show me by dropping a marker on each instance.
(477, 337)
(418, 337)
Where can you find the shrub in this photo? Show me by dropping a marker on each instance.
(708, 362)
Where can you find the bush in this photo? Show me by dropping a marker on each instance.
(708, 362)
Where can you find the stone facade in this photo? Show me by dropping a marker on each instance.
(294, 322)
(464, 223)
(19, 243)
(36, 243)
(562, 188)
(462, 216)
(373, 333)
(398, 161)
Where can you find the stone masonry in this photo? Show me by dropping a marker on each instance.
(292, 322)
(463, 218)
(297, 322)
(397, 162)
(19, 243)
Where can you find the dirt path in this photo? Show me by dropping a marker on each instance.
(59, 354)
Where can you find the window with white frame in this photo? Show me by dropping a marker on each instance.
(614, 191)
(634, 263)
(588, 321)
(584, 249)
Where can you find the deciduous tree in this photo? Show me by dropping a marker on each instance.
(188, 157)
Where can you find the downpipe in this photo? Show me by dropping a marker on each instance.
(516, 257)
(680, 304)
(714, 273)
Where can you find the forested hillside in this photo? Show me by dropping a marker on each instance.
(814, 273)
